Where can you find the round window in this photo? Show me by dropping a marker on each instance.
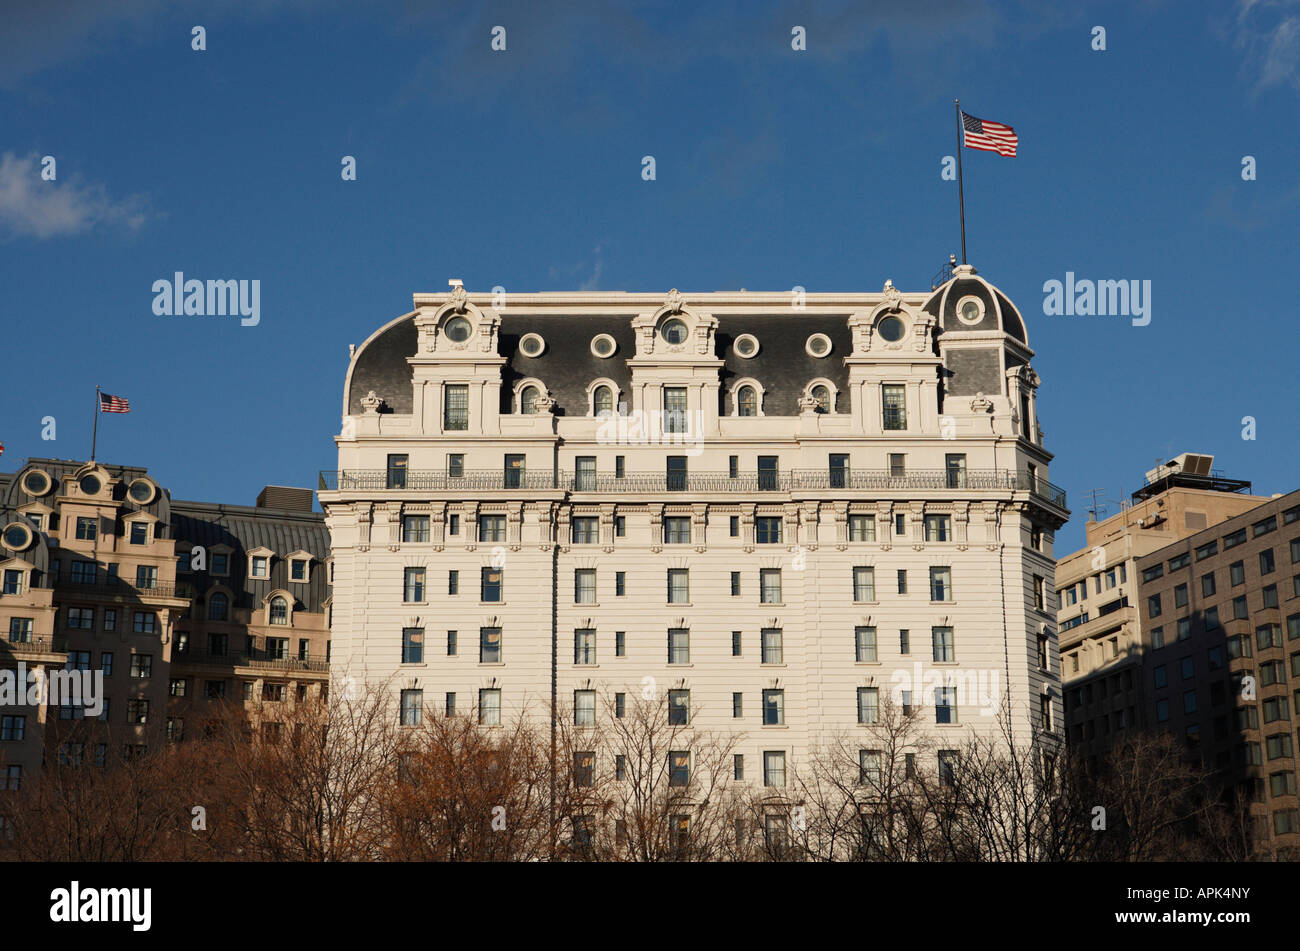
(90, 485)
(457, 330)
(746, 346)
(674, 331)
(602, 345)
(532, 345)
(970, 310)
(141, 491)
(891, 328)
(17, 536)
(36, 482)
(818, 345)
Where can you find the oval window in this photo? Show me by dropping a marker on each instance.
(36, 482)
(90, 485)
(141, 491)
(457, 330)
(891, 329)
(674, 332)
(532, 345)
(818, 345)
(602, 345)
(17, 536)
(746, 346)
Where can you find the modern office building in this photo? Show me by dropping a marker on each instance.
(1101, 629)
(774, 510)
(1221, 615)
(177, 604)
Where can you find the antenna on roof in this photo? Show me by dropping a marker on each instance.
(1098, 505)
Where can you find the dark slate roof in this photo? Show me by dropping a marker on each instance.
(782, 366)
(381, 366)
(245, 528)
(567, 365)
(999, 312)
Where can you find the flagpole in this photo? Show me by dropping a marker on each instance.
(95, 432)
(961, 194)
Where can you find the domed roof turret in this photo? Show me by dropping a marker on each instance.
(967, 302)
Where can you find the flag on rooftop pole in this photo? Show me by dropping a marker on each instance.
(986, 136)
(106, 403)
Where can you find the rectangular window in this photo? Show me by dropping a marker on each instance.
(904, 642)
(1040, 593)
(864, 639)
(584, 708)
(141, 666)
(679, 707)
(1180, 596)
(489, 707)
(83, 572)
(620, 644)
(453, 582)
(893, 407)
(584, 646)
(955, 469)
(413, 589)
(139, 533)
(897, 465)
(735, 584)
(412, 645)
(584, 586)
(767, 530)
(677, 530)
(768, 474)
(944, 649)
(453, 524)
(773, 645)
(1153, 606)
(620, 526)
(620, 467)
(13, 582)
(1207, 585)
(734, 526)
(773, 768)
(491, 584)
(839, 471)
(770, 585)
(938, 528)
(1239, 611)
(586, 530)
(735, 643)
(862, 528)
(676, 473)
(945, 704)
(868, 704)
(86, 528)
(1235, 539)
(144, 622)
(455, 407)
(864, 584)
(737, 706)
(451, 643)
(489, 645)
(620, 705)
(81, 618)
(902, 581)
(679, 768)
(941, 584)
(620, 583)
(679, 591)
(584, 474)
(674, 409)
(20, 630)
(513, 471)
(679, 645)
(491, 528)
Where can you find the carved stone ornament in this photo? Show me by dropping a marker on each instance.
(891, 293)
(371, 403)
(808, 404)
(674, 302)
(544, 404)
(981, 404)
(458, 299)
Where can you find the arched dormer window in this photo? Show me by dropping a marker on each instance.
(279, 612)
(526, 393)
(218, 607)
(746, 398)
(825, 393)
(602, 397)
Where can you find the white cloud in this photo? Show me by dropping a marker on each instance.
(32, 207)
(1268, 33)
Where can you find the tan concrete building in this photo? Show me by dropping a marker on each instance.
(176, 604)
(775, 511)
(1220, 609)
(1101, 629)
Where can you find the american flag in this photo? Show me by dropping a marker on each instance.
(113, 404)
(989, 136)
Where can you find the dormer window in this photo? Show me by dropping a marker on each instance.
(602, 402)
(261, 566)
(891, 329)
(299, 566)
(219, 563)
(823, 397)
(458, 330)
(526, 400)
(139, 533)
(673, 331)
(746, 401)
(279, 610)
(90, 484)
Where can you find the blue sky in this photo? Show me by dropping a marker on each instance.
(523, 168)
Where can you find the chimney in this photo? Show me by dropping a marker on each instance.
(284, 497)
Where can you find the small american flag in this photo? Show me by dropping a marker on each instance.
(989, 136)
(113, 404)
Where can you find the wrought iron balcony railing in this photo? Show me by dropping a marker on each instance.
(123, 589)
(632, 483)
(249, 659)
(34, 644)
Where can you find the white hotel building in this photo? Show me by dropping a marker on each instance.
(779, 509)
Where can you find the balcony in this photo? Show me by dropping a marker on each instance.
(32, 645)
(254, 659)
(749, 483)
(121, 590)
